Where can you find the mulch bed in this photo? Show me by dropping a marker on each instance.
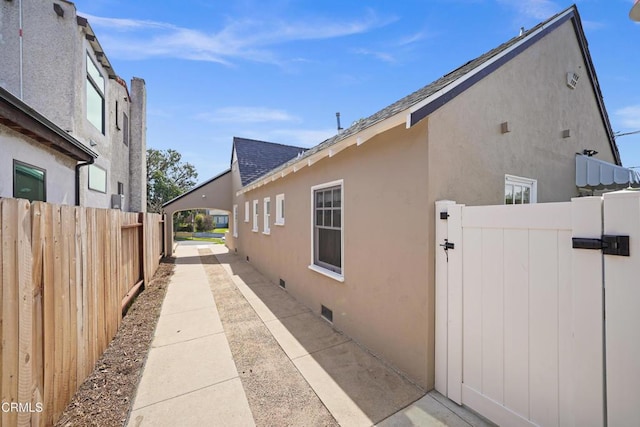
(106, 396)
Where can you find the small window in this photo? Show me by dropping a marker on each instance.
(520, 191)
(267, 215)
(235, 220)
(117, 116)
(120, 188)
(246, 211)
(255, 216)
(279, 209)
(97, 179)
(95, 96)
(327, 227)
(125, 129)
(29, 182)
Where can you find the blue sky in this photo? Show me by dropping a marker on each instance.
(280, 70)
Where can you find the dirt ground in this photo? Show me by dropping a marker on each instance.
(106, 396)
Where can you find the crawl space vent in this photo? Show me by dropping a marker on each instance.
(326, 313)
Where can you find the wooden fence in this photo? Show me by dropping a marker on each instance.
(65, 273)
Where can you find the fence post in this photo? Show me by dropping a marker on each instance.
(141, 254)
(622, 217)
(441, 342)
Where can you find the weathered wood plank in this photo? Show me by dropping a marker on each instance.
(48, 303)
(25, 309)
(10, 332)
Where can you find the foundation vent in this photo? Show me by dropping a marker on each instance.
(326, 313)
(282, 284)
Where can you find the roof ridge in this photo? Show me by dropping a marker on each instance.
(239, 138)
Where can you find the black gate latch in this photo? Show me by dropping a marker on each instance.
(610, 245)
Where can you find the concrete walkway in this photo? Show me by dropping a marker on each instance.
(233, 349)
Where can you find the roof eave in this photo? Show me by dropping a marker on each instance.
(311, 157)
(18, 116)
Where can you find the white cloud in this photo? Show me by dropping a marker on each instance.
(537, 9)
(382, 56)
(246, 115)
(238, 39)
(629, 116)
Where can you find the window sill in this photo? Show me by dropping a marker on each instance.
(267, 233)
(333, 275)
(255, 230)
(279, 223)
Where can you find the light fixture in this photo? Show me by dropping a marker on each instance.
(92, 143)
(504, 127)
(589, 153)
(566, 133)
(204, 196)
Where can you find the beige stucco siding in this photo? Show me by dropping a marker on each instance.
(383, 301)
(469, 154)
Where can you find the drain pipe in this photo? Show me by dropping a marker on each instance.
(78, 166)
(21, 50)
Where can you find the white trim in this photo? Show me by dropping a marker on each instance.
(328, 273)
(486, 64)
(235, 220)
(246, 211)
(266, 215)
(404, 117)
(279, 214)
(531, 183)
(255, 216)
(337, 276)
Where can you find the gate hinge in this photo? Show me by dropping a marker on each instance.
(609, 244)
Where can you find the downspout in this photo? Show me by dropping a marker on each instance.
(78, 166)
(21, 54)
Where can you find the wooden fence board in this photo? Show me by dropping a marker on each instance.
(10, 333)
(25, 308)
(64, 272)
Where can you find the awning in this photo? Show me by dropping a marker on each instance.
(595, 173)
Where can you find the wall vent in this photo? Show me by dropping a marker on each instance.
(282, 284)
(572, 80)
(326, 313)
(247, 258)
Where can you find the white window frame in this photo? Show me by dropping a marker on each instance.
(255, 216)
(235, 220)
(95, 81)
(530, 183)
(246, 211)
(266, 213)
(338, 276)
(279, 209)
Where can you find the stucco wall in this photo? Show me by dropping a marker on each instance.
(54, 55)
(469, 154)
(214, 195)
(60, 170)
(382, 302)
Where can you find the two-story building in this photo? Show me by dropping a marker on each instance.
(53, 63)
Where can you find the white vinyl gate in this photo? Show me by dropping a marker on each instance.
(520, 325)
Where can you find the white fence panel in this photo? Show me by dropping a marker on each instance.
(622, 285)
(521, 330)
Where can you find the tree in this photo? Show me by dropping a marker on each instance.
(167, 177)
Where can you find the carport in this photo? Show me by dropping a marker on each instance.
(212, 194)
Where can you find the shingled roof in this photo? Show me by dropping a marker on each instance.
(256, 158)
(433, 96)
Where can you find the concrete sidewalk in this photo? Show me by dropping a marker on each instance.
(233, 349)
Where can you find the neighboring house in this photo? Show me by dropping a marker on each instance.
(505, 127)
(40, 158)
(52, 61)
